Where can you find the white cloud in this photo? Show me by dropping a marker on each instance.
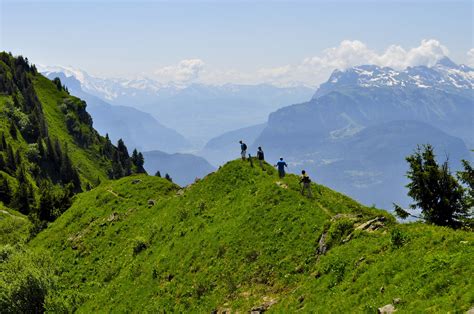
(315, 70)
(185, 71)
(470, 57)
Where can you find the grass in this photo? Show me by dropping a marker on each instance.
(14, 227)
(88, 160)
(240, 237)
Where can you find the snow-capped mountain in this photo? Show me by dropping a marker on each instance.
(445, 74)
(111, 89)
(198, 111)
(355, 132)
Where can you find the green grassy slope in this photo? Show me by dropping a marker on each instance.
(88, 160)
(49, 150)
(241, 238)
(14, 227)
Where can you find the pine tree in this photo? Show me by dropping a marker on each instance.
(434, 189)
(3, 164)
(158, 174)
(13, 131)
(167, 177)
(140, 163)
(11, 165)
(3, 142)
(5, 191)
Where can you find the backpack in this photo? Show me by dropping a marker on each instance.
(306, 179)
(244, 146)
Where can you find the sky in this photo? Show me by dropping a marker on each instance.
(216, 42)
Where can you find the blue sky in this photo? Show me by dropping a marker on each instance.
(227, 40)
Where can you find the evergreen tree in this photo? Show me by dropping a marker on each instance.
(23, 199)
(167, 177)
(138, 161)
(5, 191)
(434, 189)
(158, 174)
(108, 147)
(68, 173)
(3, 142)
(11, 165)
(467, 177)
(13, 131)
(3, 164)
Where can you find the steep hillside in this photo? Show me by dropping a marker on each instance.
(138, 129)
(48, 147)
(242, 239)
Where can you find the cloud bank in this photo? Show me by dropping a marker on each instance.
(185, 71)
(312, 70)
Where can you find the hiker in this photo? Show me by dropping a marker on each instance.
(243, 148)
(306, 181)
(260, 156)
(281, 167)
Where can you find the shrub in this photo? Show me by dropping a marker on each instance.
(338, 230)
(139, 244)
(398, 238)
(25, 282)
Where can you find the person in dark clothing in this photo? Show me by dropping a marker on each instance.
(281, 164)
(306, 181)
(243, 148)
(260, 156)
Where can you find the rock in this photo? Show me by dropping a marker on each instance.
(136, 181)
(372, 224)
(382, 289)
(397, 301)
(263, 307)
(180, 192)
(301, 299)
(322, 247)
(386, 309)
(113, 217)
(282, 185)
(151, 203)
(471, 311)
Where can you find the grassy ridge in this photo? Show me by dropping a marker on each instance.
(239, 238)
(90, 163)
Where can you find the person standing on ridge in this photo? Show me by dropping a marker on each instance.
(281, 164)
(243, 148)
(306, 181)
(260, 156)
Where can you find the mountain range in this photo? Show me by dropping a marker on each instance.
(141, 130)
(355, 131)
(83, 228)
(197, 111)
(183, 169)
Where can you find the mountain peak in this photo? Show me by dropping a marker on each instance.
(445, 74)
(448, 63)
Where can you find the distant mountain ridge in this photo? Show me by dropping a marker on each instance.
(184, 169)
(445, 74)
(139, 129)
(197, 111)
(343, 135)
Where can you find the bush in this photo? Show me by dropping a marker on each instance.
(398, 238)
(25, 282)
(139, 244)
(339, 230)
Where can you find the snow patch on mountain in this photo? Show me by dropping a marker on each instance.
(444, 74)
